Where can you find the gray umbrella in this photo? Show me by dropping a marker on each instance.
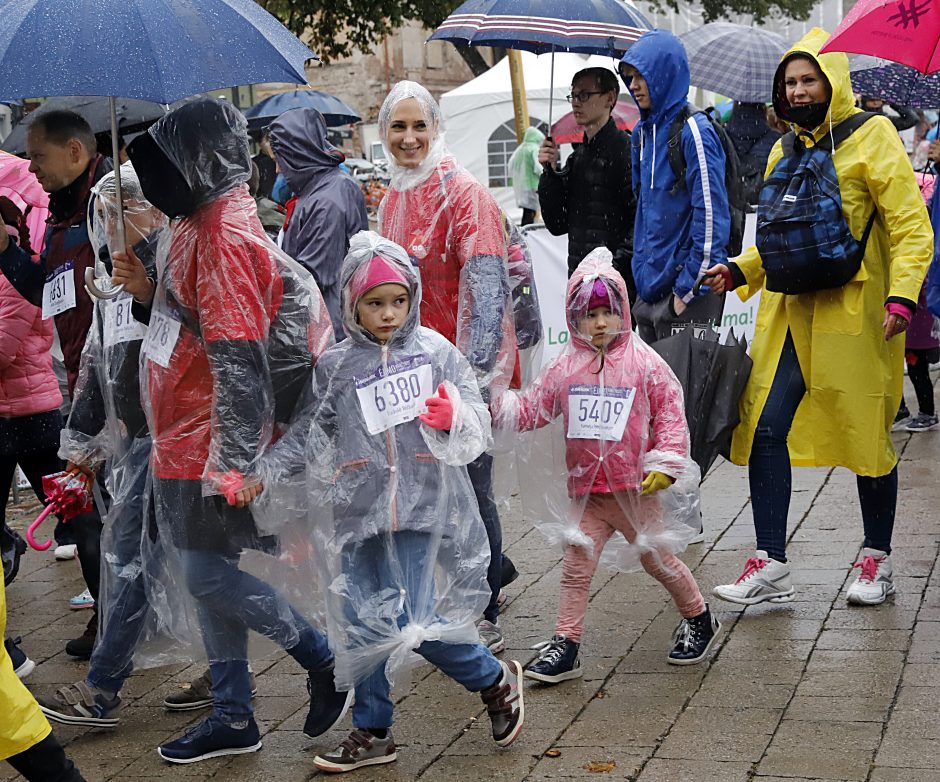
(734, 60)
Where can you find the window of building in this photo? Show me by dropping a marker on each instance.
(500, 147)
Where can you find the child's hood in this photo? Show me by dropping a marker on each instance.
(597, 265)
(363, 248)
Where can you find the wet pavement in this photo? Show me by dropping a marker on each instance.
(809, 690)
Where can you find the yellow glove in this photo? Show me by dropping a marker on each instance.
(656, 481)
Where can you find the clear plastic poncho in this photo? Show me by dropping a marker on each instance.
(107, 430)
(452, 229)
(401, 549)
(525, 169)
(615, 413)
(234, 331)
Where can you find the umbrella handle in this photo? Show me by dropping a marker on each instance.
(91, 285)
(35, 525)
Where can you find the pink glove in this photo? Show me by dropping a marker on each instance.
(896, 308)
(440, 414)
(228, 483)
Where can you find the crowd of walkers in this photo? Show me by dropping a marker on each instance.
(288, 421)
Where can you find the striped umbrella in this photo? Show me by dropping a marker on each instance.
(605, 27)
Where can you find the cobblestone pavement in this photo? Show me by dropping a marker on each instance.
(812, 689)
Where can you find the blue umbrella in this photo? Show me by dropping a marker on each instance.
(159, 51)
(605, 27)
(895, 83)
(334, 111)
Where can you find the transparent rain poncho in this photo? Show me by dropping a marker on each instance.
(615, 414)
(400, 545)
(235, 328)
(452, 230)
(107, 430)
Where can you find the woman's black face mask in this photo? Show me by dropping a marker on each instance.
(808, 116)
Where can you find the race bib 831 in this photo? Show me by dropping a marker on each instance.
(593, 415)
(394, 394)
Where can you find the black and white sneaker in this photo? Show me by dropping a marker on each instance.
(360, 748)
(22, 665)
(211, 738)
(557, 662)
(693, 638)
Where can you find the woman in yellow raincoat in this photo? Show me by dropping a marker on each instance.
(828, 364)
(26, 740)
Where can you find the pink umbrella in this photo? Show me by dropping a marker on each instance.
(24, 190)
(567, 131)
(904, 31)
(67, 494)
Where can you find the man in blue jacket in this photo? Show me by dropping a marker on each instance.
(682, 227)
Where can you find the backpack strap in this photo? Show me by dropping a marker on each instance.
(844, 129)
(674, 146)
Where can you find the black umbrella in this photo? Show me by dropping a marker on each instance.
(132, 115)
(713, 376)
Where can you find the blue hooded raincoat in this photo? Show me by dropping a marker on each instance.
(678, 234)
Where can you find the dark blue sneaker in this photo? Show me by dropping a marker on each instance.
(557, 662)
(327, 704)
(22, 665)
(212, 738)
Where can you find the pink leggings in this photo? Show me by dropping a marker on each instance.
(602, 517)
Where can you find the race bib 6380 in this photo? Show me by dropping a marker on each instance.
(394, 394)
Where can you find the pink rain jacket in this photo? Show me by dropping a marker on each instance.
(656, 436)
(27, 383)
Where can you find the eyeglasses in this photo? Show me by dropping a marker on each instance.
(580, 97)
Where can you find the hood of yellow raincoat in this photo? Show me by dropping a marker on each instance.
(835, 67)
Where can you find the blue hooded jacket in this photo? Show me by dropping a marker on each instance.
(933, 273)
(676, 237)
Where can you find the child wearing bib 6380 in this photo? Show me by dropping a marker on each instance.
(626, 439)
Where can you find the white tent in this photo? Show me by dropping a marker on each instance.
(478, 115)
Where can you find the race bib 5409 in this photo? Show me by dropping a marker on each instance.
(596, 415)
(58, 294)
(394, 394)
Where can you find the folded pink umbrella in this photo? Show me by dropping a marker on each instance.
(567, 131)
(67, 494)
(904, 31)
(24, 190)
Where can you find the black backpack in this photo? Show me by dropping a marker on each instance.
(734, 184)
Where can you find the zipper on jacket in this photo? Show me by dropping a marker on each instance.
(653, 175)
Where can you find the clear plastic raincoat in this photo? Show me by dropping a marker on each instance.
(525, 169)
(234, 331)
(107, 429)
(622, 417)
(402, 550)
(452, 229)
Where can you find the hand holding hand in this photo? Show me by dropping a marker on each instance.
(440, 414)
(718, 279)
(129, 271)
(656, 481)
(238, 490)
(894, 325)
(548, 153)
(72, 468)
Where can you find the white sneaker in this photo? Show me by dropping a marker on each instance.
(68, 551)
(491, 636)
(875, 582)
(763, 579)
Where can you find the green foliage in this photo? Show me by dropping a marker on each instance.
(760, 10)
(334, 28)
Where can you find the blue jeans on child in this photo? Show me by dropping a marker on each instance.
(771, 477)
(368, 565)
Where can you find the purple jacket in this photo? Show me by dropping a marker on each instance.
(920, 332)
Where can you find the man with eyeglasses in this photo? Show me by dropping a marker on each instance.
(591, 198)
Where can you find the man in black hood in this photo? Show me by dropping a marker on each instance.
(905, 118)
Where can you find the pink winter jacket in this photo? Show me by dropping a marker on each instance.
(655, 437)
(27, 383)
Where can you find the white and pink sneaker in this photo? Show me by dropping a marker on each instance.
(875, 581)
(763, 579)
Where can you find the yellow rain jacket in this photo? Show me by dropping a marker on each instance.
(853, 377)
(22, 724)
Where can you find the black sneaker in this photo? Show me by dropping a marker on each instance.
(212, 738)
(557, 662)
(22, 665)
(78, 704)
(84, 645)
(693, 638)
(360, 748)
(197, 694)
(327, 704)
(508, 572)
(504, 704)
(12, 547)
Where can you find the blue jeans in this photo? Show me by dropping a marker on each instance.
(771, 478)
(125, 610)
(370, 568)
(230, 602)
(481, 478)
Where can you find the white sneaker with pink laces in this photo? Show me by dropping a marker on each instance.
(763, 579)
(875, 581)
